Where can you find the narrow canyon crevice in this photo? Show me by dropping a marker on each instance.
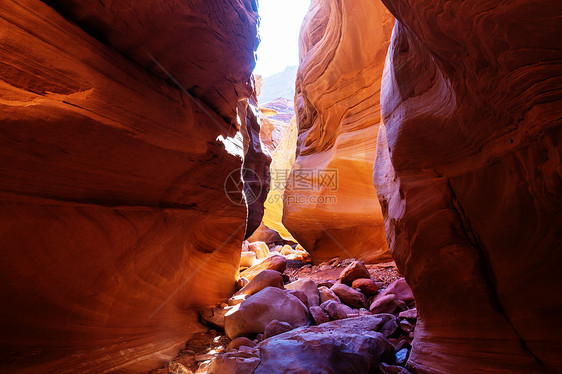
(400, 211)
(330, 205)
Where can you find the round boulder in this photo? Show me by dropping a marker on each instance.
(253, 315)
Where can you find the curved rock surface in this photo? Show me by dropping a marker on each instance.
(206, 46)
(331, 206)
(469, 175)
(113, 218)
(255, 313)
(354, 345)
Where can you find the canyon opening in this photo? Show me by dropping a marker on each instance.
(379, 191)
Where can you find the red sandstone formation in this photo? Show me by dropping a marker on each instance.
(113, 218)
(342, 50)
(469, 175)
(185, 38)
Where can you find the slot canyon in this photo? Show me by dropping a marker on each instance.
(398, 211)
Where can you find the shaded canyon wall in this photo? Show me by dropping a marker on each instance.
(255, 169)
(113, 219)
(469, 174)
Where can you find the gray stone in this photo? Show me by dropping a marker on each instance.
(253, 315)
(406, 326)
(344, 346)
(387, 304)
(236, 362)
(266, 278)
(215, 316)
(334, 309)
(310, 289)
(349, 296)
(239, 342)
(327, 294)
(276, 327)
(392, 369)
(319, 315)
(299, 295)
(409, 314)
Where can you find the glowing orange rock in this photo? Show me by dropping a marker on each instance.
(331, 206)
(113, 218)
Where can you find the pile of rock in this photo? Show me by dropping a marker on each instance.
(347, 325)
(254, 253)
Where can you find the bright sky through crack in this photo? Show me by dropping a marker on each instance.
(280, 25)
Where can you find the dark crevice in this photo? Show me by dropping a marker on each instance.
(91, 26)
(487, 271)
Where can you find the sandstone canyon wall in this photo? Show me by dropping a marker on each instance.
(331, 206)
(113, 219)
(469, 174)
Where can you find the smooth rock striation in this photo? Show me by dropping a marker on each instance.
(330, 204)
(469, 175)
(221, 34)
(113, 218)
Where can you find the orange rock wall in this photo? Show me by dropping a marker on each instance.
(184, 37)
(113, 219)
(342, 51)
(469, 174)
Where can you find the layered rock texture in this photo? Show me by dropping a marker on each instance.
(331, 206)
(183, 38)
(469, 175)
(113, 218)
